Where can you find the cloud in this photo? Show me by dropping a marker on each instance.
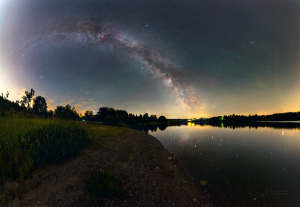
(67, 102)
(78, 107)
(87, 92)
(88, 102)
(50, 103)
(18, 95)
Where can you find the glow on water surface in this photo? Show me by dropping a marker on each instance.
(243, 166)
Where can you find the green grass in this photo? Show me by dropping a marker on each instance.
(102, 135)
(27, 143)
(94, 122)
(103, 184)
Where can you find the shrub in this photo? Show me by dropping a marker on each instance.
(111, 121)
(121, 124)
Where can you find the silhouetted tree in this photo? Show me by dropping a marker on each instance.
(153, 118)
(5, 97)
(111, 120)
(66, 112)
(145, 118)
(40, 106)
(27, 98)
(50, 113)
(123, 115)
(88, 114)
(59, 112)
(9, 108)
(162, 119)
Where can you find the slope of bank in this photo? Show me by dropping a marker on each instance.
(150, 179)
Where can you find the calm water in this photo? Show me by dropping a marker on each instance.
(243, 166)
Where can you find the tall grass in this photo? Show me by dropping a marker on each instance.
(27, 143)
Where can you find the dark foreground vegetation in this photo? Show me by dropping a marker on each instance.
(32, 137)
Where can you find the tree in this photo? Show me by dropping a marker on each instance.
(153, 118)
(59, 112)
(66, 112)
(5, 97)
(50, 113)
(40, 105)
(27, 98)
(111, 120)
(123, 115)
(145, 118)
(88, 115)
(162, 119)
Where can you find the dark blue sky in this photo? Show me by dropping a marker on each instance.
(174, 58)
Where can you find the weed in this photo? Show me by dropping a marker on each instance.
(131, 157)
(2, 199)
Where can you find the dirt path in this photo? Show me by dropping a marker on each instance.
(150, 178)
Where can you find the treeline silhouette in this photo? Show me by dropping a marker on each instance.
(29, 106)
(275, 125)
(114, 117)
(288, 116)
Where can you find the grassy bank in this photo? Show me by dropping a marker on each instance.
(26, 144)
(101, 135)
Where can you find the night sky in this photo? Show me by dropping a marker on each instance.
(177, 58)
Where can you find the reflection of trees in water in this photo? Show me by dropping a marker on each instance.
(152, 128)
(276, 125)
(162, 127)
(231, 125)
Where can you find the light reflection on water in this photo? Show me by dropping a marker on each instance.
(244, 166)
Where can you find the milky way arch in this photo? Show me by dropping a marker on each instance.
(95, 31)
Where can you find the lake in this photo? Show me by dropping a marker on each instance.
(256, 165)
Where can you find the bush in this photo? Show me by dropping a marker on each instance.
(121, 124)
(111, 121)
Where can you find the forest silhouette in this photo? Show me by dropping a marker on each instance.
(30, 107)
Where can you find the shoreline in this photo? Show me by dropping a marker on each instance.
(137, 157)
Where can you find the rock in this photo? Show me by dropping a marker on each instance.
(194, 200)
(170, 158)
(203, 182)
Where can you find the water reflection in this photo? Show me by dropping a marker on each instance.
(252, 165)
(232, 125)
